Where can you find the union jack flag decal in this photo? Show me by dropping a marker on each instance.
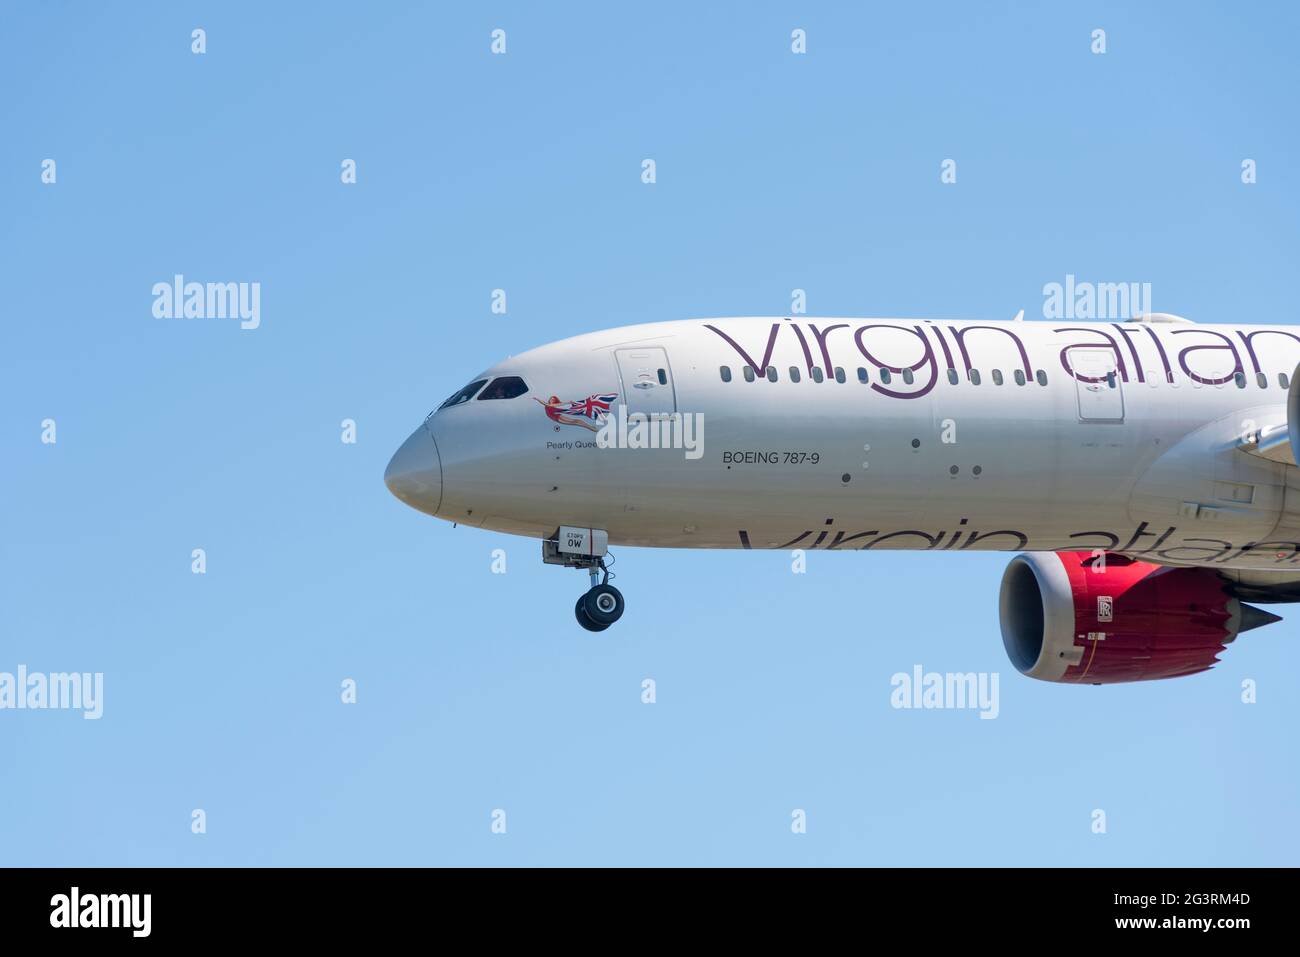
(589, 412)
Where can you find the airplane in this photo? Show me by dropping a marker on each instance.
(1143, 471)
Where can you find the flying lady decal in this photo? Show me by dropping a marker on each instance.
(589, 413)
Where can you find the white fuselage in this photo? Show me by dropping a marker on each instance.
(1042, 436)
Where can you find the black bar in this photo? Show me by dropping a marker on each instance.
(335, 906)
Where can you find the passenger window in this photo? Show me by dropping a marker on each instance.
(817, 374)
(1261, 380)
(464, 395)
(771, 373)
(506, 387)
(663, 377)
(749, 373)
(725, 372)
(909, 376)
(997, 376)
(1020, 377)
(862, 375)
(794, 373)
(1240, 379)
(974, 376)
(952, 376)
(839, 375)
(1041, 377)
(885, 377)
(1110, 379)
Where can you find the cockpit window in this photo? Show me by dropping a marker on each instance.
(506, 387)
(464, 395)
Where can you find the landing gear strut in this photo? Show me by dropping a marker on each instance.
(602, 605)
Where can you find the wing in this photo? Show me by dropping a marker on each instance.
(1279, 438)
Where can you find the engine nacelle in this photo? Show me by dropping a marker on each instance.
(1075, 617)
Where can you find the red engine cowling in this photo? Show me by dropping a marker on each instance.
(1070, 616)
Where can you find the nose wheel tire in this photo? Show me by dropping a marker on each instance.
(603, 604)
(580, 612)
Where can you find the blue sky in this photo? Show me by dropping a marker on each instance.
(478, 691)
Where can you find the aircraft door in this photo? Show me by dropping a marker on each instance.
(1101, 391)
(647, 380)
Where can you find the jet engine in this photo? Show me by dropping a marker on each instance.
(1103, 619)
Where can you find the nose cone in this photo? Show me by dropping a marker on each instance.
(414, 474)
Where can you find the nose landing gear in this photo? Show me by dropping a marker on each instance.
(602, 605)
(588, 548)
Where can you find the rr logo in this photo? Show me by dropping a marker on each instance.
(1105, 608)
